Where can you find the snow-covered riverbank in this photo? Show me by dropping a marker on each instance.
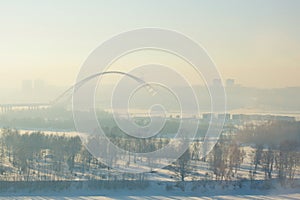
(156, 190)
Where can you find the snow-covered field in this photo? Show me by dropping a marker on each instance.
(168, 196)
(162, 186)
(158, 190)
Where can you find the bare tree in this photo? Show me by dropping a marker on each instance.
(218, 159)
(182, 165)
(268, 158)
(235, 157)
(287, 160)
(257, 156)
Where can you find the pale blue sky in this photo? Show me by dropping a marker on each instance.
(256, 42)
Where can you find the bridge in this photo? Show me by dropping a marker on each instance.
(25, 106)
(68, 93)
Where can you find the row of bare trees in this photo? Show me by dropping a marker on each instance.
(25, 152)
(226, 159)
(275, 146)
(277, 149)
(284, 159)
(37, 156)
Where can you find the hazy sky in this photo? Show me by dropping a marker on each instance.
(256, 42)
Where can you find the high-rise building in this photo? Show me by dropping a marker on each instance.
(26, 86)
(217, 82)
(230, 83)
(38, 85)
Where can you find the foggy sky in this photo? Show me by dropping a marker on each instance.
(255, 42)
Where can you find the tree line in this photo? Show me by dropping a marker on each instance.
(274, 153)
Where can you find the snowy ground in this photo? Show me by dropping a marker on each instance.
(158, 191)
(292, 196)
